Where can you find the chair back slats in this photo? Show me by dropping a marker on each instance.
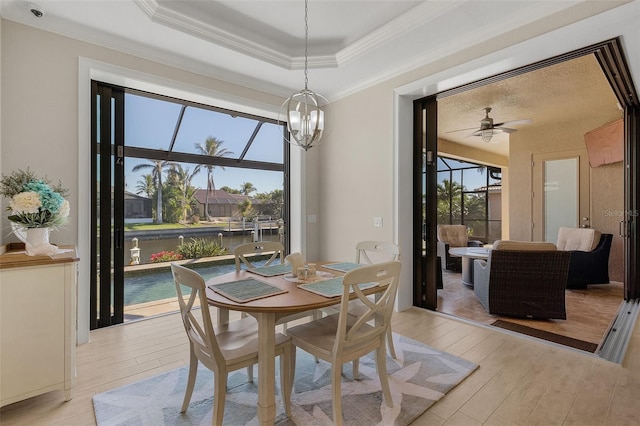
(369, 252)
(199, 328)
(361, 330)
(244, 253)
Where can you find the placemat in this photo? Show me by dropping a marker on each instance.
(331, 288)
(342, 267)
(273, 270)
(246, 290)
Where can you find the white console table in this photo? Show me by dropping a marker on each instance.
(37, 323)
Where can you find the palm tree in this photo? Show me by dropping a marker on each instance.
(247, 188)
(157, 167)
(182, 179)
(213, 148)
(145, 185)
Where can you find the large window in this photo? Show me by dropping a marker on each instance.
(470, 194)
(184, 181)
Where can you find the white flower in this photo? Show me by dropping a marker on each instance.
(25, 202)
(64, 209)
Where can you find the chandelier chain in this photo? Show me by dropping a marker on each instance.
(306, 44)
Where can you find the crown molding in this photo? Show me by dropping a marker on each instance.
(197, 28)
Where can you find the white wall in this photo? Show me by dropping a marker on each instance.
(360, 175)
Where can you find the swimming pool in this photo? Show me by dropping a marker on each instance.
(157, 284)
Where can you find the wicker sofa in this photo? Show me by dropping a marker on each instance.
(523, 279)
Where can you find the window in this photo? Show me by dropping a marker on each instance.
(470, 194)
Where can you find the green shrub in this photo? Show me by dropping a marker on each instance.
(200, 247)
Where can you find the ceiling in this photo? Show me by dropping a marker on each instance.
(352, 44)
(554, 95)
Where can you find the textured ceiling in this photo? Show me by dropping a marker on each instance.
(555, 94)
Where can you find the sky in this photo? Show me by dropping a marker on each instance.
(151, 123)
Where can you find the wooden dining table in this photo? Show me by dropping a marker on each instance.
(268, 311)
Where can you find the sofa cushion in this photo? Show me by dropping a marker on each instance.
(454, 235)
(523, 245)
(581, 239)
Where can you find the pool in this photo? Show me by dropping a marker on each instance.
(157, 284)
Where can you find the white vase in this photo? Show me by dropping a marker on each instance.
(37, 242)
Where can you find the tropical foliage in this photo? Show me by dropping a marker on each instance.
(200, 247)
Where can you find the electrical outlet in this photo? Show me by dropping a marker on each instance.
(377, 222)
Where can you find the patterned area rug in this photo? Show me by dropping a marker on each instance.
(418, 378)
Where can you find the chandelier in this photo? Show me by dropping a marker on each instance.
(305, 117)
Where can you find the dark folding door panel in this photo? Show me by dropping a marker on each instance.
(611, 58)
(425, 202)
(107, 218)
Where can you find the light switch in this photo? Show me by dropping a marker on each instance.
(312, 218)
(377, 222)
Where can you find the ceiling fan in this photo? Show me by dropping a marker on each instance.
(488, 128)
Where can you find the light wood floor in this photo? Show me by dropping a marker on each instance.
(521, 381)
(590, 312)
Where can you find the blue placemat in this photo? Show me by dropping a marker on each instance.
(331, 288)
(246, 290)
(273, 270)
(343, 266)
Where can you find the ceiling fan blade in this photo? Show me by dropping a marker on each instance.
(504, 129)
(460, 130)
(514, 122)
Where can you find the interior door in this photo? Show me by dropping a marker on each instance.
(560, 182)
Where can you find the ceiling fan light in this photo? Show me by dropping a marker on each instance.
(486, 134)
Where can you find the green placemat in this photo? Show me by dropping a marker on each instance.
(270, 271)
(343, 266)
(331, 288)
(246, 290)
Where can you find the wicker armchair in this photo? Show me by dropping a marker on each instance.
(527, 283)
(589, 256)
(450, 236)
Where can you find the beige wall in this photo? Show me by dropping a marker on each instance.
(41, 127)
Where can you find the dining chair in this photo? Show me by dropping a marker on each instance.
(369, 252)
(245, 253)
(342, 337)
(224, 348)
(276, 251)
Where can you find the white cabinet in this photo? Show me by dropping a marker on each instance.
(37, 324)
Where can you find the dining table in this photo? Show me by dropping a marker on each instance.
(292, 299)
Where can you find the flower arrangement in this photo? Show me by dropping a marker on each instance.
(35, 202)
(165, 256)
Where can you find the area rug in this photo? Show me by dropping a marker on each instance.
(547, 335)
(419, 377)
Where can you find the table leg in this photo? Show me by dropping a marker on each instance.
(266, 367)
(467, 271)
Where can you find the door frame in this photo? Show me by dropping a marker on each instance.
(610, 56)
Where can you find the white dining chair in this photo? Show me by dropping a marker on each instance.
(369, 252)
(224, 348)
(342, 337)
(246, 253)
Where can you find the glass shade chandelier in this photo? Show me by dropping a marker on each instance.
(303, 109)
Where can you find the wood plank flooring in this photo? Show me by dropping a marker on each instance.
(521, 381)
(590, 312)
